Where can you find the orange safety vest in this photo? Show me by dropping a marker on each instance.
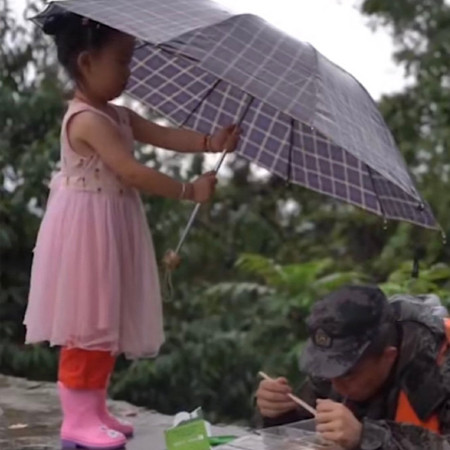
(405, 412)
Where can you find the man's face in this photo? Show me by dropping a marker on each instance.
(367, 377)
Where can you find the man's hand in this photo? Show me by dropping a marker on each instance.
(272, 398)
(336, 423)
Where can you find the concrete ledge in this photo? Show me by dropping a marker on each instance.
(30, 418)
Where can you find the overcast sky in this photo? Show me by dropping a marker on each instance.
(335, 28)
(338, 30)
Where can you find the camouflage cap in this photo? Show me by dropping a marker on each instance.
(341, 327)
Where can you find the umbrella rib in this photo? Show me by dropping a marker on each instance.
(166, 48)
(291, 146)
(246, 109)
(201, 100)
(369, 170)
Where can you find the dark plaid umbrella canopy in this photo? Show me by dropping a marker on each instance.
(303, 118)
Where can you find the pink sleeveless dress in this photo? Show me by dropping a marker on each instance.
(94, 281)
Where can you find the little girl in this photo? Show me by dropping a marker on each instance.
(94, 283)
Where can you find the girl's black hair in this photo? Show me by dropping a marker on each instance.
(74, 34)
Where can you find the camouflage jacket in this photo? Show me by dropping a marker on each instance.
(417, 373)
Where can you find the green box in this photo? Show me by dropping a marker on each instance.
(190, 435)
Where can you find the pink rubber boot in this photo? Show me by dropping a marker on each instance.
(122, 426)
(82, 427)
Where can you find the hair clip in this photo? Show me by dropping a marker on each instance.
(85, 21)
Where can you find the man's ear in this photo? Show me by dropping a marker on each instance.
(390, 353)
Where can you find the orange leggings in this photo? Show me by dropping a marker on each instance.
(85, 369)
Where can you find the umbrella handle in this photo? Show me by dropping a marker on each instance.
(197, 207)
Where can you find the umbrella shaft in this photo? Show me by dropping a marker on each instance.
(220, 161)
(197, 207)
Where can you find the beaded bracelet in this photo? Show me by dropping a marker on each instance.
(207, 143)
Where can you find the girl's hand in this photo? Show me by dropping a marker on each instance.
(225, 139)
(203, 187)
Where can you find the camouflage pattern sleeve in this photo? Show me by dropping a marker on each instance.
(389, 435)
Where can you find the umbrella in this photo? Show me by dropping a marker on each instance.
(303, 118)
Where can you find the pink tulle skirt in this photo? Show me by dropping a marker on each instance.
(94, 281)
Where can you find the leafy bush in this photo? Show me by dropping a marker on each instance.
(234, 330)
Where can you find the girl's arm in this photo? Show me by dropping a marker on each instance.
(183, 141)
(180, 140)
(103, 138)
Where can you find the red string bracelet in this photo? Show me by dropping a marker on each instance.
(207, 143)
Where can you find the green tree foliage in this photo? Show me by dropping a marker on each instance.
(419, 116)
(235, 329)
(30, 114)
